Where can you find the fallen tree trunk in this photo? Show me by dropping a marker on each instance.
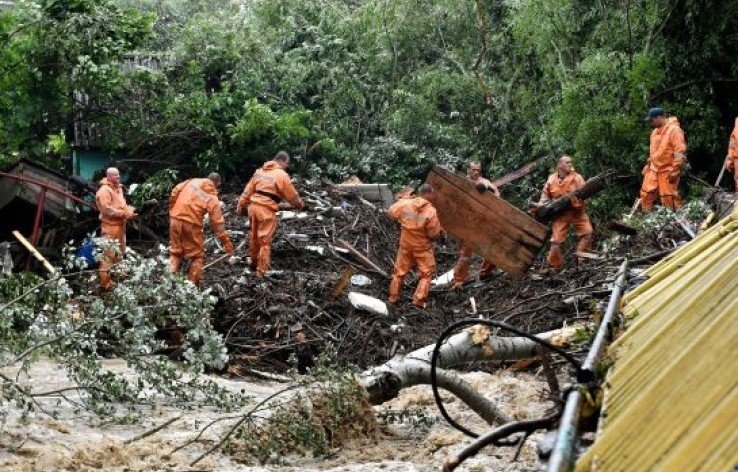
(384, 382)
(591, 188)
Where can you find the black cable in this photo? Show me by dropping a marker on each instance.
(497, 324)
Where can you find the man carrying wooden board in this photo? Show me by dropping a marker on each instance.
(461, 269)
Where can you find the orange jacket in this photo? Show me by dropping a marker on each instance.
(556, 187)
(112, 204)
(271, 179)
(733, 144)
(419, 222)
(191, 199)
(665, 142)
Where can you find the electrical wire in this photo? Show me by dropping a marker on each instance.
(496, 324)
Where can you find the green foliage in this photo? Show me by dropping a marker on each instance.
(329, 408)
(67, 321)
(386, 88)
(156, 187)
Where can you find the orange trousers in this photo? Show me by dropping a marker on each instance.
(461, 269)
(262, 226)
(663, 184)
(109, 256)
(560, 230)
(187, 241)
(407, 259)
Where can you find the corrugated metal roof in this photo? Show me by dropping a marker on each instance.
(671, 396)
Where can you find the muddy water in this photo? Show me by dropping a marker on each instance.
(78, 441)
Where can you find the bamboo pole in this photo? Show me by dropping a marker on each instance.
(39, 257)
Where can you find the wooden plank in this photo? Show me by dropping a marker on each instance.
(489, 225)
(516, 174)
(591, 188)
(361, 257)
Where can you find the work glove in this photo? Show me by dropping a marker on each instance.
(225, 241)
(298, 204)
(576, 202)
(242, 208)
(481, 188)
(130, 213)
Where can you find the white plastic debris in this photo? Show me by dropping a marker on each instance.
(341, 250)
(295, 237)
(319, 249)
(6, 261)
(360, 280)
(397, 328)
(292, 215)
(370, 304)
(132, 188)
(443, 279)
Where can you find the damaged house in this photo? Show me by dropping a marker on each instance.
(35, 199)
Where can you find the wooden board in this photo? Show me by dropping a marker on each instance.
(489, 225)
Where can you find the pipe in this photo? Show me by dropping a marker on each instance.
(560, 460)
(561, 456)
(605, 330)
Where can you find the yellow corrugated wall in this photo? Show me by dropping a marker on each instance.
(671, 400)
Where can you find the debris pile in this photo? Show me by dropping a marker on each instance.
(330, 277)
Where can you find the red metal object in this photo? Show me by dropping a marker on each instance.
(39, 211)
(40, 204)
(37, 223)
(46, 186)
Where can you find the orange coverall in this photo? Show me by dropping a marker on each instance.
(262, 195)
(557, 187)
(188, 203)
(419, 227)
(661, 173)
(730, 163)
(461, 269)
(114, 212)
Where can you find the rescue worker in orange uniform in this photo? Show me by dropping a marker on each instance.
(730, 161)
(406, 192)
(666, 156)
(461, 269)
(419, 228)
(266, 193)
(114, 212)
(558, 185)
(189, 202)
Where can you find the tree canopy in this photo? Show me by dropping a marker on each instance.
(379, 89)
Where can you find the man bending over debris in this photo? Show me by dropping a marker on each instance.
(189, 202)
(730, 162)
(419, 228)
(461, 269)
(114, 212)
(666, 156)
(564, 181)
(263, 196)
